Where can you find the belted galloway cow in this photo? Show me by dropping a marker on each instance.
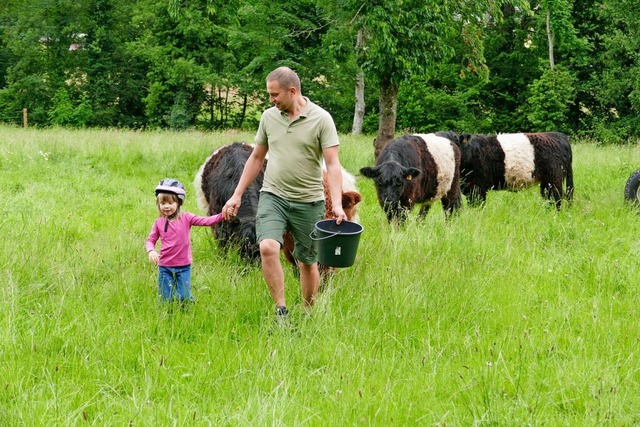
(416, 169)
(515, 161)
(215, 182)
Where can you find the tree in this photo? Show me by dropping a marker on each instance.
(552, 94)
(408, 39)
(38, 37)
(185, 48)
(115, 82)
(550, 98)
(401, 40)
(358, 114)
(618, 81)
(520, 52)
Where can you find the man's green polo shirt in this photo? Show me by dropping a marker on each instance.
(294, 168)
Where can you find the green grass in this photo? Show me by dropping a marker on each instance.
(510, 314)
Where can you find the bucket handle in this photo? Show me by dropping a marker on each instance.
(314, 237)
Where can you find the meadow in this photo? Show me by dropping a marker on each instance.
(508, 314)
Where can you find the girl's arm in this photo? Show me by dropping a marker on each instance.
(150, 245)
(204, 221)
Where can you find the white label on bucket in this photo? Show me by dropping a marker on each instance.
(338, 250)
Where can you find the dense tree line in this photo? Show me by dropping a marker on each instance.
(479, 66)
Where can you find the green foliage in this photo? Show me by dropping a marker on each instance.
(201, 64)
(550, 98)
(65, 113)
(179, 118)
(31, 93)
(437, 104)
(115, 77)
(618, 82)
(396, 34)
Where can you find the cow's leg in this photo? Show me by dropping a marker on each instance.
(272, 270)
(552, 188)
(309, 282)
(450, 204)
(569, 181)
(424, 210)
(477, 196)
(287, 249)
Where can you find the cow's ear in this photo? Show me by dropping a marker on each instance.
(350, 199)
(370, 172)
(464, 138)
(411, 173)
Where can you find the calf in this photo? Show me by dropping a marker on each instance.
(416, 169)
(515, 161)
(215, 182)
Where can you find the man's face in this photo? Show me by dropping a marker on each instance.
(280, 97)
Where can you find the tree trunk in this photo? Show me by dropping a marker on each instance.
(244, 111)
(550, 38)
(388, 110)
(212, 111)
(358, 114)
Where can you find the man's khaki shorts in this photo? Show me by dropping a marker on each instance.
(276, 214)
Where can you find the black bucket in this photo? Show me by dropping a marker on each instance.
(337, 243)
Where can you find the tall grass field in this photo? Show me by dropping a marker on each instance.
(508, 314)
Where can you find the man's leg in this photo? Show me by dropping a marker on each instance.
(272, 270)
(302, 223)
(309, 282)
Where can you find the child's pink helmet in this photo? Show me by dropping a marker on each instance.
(172, 186)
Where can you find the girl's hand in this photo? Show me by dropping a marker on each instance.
(153, 257)
(230, 209)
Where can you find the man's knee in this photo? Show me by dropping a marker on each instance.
(269, 248)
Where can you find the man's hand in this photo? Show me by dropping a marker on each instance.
(230, 208)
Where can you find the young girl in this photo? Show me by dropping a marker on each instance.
(173, 228)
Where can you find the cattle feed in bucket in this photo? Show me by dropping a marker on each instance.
(337, 243)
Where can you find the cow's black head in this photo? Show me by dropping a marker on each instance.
(393, 184)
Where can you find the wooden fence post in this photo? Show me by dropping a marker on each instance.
(25, 119)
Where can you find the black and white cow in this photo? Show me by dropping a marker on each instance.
(416, 169)
(215, 182)
(515, 161)
(217, 179)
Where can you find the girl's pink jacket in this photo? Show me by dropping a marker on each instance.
(176, 240)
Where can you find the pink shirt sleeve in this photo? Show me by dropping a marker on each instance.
(206, 220)
(152, 239)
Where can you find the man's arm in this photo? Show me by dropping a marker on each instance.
(249, 173)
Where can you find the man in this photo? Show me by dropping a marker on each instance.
(298, 134)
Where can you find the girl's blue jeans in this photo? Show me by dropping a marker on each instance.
(175, 282)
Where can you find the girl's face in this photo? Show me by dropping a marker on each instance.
(167, 204)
